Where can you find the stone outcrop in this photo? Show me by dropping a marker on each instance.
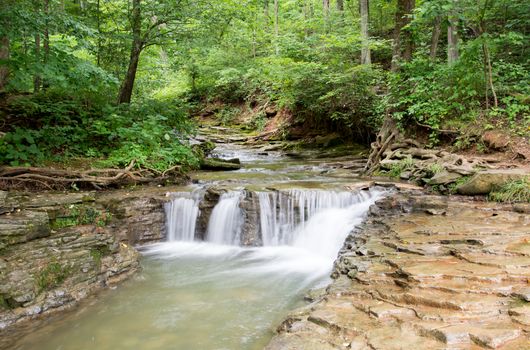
(250, 232)
(484, 182)
(423, 272)
(58, 248)
(216, 164)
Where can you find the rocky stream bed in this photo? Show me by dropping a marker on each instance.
(421, 271)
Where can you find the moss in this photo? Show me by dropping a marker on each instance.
(60, 223)
(52, 275)
(3, 303)
(98, 253)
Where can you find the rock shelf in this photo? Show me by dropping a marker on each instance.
(423, 272)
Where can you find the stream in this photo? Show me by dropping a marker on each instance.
(215, 293)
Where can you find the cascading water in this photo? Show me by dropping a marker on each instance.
(224, 226)
(217, 294)
(181, 215)
(284, 215)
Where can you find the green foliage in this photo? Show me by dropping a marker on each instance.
(76, 215)
(513, 191)
(433, 169)
(452, 187)
(98, 253)
(152, 133)
(228, 114)
(258, 122)
(397, 169)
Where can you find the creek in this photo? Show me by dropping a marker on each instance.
(214, 292)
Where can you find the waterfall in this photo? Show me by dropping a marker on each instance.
(284, 215)
(181, 216)
(315, 220)
(226, 220)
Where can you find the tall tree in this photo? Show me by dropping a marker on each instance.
(4, 57)
(325, 6)
(127, 85)
(402, 45)
(435, 37)
(151, 22)
(340, 5)
(452, 36)
(365, 45)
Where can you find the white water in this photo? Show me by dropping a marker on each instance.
(285, 214)
(206, 296)
(224, 226)
(302, 230)
(181, 216)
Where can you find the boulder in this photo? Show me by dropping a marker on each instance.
(485, 181)
(217, 164)
(330, 140)
(444, 177)
(495, 140)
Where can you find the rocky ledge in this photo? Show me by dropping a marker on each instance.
(58, 248)
(423, 272)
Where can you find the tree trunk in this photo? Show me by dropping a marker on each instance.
(435, 38)
(98, 14)
(4, 56)
(46, 43)
(340, 5)
(137, 47)
(408, 39)
(452, 39)
(396, 44)
(403, 11)
(276, 28)
(37, 78)
(365, 48)
(325, 5)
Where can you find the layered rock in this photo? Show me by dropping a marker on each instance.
(57, 248)
(423, 272)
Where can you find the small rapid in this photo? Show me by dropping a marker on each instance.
(202, 289)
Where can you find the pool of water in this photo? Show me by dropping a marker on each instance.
(190, 296)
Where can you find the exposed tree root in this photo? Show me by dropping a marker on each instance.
(16, 177)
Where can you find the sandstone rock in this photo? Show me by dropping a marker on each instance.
(410, 278)
(23, 226)
(217, 164)
(495, 140)
(444, 177)
(485, 181)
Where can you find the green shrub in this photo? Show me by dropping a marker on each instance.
(56, 127)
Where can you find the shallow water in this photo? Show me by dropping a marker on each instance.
(205, 296)
(190, 296)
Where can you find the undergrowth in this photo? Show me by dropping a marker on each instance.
(513, 191)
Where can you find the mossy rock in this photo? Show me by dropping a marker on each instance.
(216, 164)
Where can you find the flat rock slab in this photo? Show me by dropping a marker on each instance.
(424, 272)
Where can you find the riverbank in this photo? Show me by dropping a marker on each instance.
(58, 248)
(423, 272)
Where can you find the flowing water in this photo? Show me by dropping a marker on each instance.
(215, 294)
